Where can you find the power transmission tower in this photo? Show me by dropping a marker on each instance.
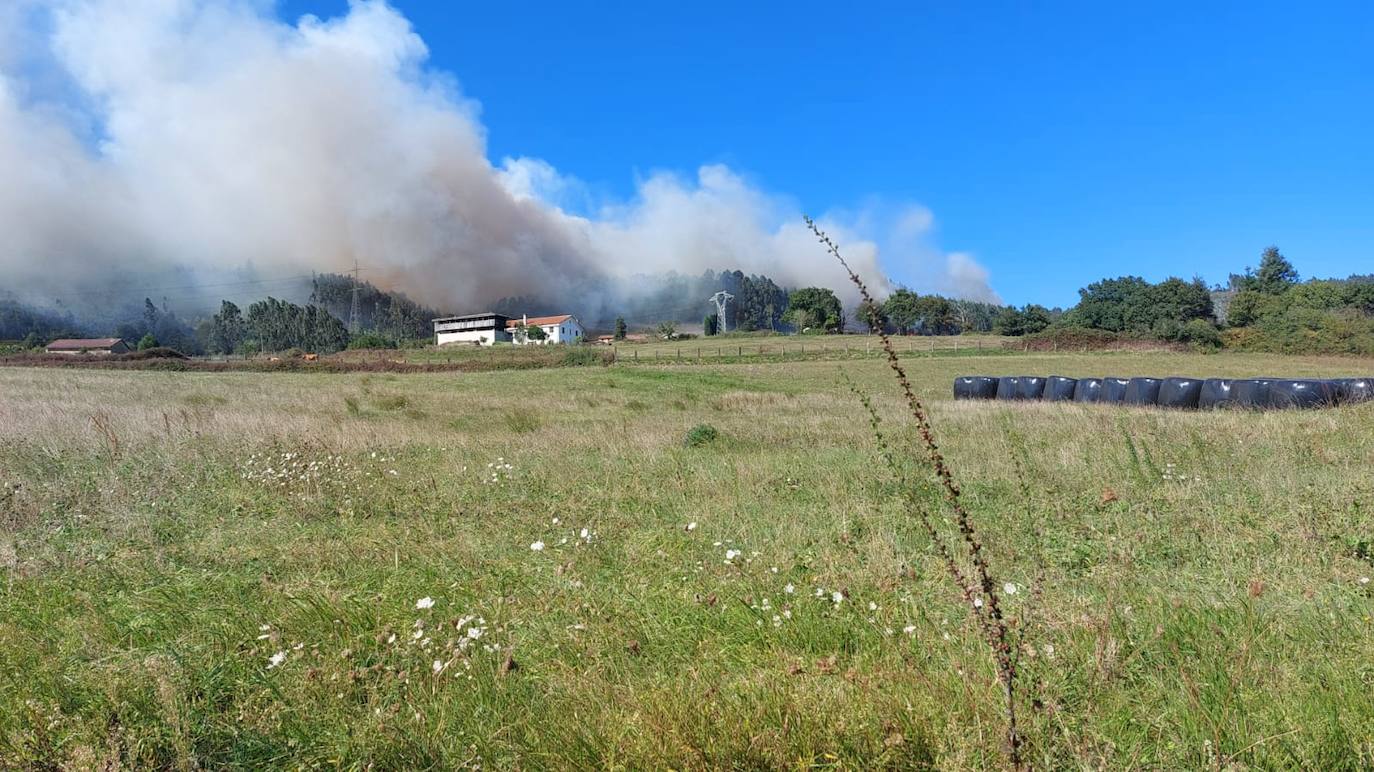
(353, 312)
(721, 299)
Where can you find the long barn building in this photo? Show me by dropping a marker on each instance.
(489, 328)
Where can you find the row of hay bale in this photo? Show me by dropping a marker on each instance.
(1184, 393)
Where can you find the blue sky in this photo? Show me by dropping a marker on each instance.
(1058, 144)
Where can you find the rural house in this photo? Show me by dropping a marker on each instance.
(99, 346)
(557, 329)
(482, 329)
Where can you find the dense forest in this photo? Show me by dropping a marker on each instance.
(1269, 308)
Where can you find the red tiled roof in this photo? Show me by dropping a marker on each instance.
(80, 343)
(539, 321)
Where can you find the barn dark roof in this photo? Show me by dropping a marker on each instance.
(76, 344)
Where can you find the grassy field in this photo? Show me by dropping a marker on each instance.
(782, 347)
(730, 349)
(528, 570)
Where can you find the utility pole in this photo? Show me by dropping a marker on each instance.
(721, 299)
(353, 312)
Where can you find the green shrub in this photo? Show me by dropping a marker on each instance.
(391, 401)
(1200, 332)
(371, 340)
(521, 420)
(701, 434)
(1307, 331)
(583, 356)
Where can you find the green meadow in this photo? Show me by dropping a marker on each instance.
(534, 569)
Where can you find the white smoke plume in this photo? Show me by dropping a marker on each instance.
(207, 138)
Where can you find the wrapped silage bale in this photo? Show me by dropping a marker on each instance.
(1007, 387)
(1030, 387)
(1059, 389)
(1215, 393)
(1114, 389)
(1301, 393)
(1251, 393)
(1181, 393)
(1087, 390)
(1142, 391)
(1351, 390)
(975, 387)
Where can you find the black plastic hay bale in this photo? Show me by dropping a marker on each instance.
(1179, 393)
(1059, 389)
(1250, 393)
(1030, 387)
(1114, 389)
(1215, 393)
(975, 387)
(1142, 391)
(1349, 390)
(1007, 387)
(1087, 390)
(1301, 393)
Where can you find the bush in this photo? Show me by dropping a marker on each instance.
(582, 356)
(701, 434)
(1307, 331)
(147, 342)
(370, 340)
(155, 352)
(1200, 332)
(1070, 338)
(522, 421)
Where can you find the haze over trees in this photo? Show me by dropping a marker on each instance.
(1265, 308)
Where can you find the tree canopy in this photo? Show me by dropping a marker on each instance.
(815, 308)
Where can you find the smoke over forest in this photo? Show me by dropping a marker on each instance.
(195, 150)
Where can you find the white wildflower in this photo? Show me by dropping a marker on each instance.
(837, 596)
(789, 589)
(438, 666)
(276, 659)
(425, 602)
(537, 546)
(692, 526)
(977, 602)
(1009, 588)
(872, 606)
(1364, 580)
(909, 629)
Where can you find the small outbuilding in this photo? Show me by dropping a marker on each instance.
(97, 346)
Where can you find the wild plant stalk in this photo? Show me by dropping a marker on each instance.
(981, 595)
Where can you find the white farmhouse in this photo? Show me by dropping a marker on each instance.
(480, 329)
(557, 329)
